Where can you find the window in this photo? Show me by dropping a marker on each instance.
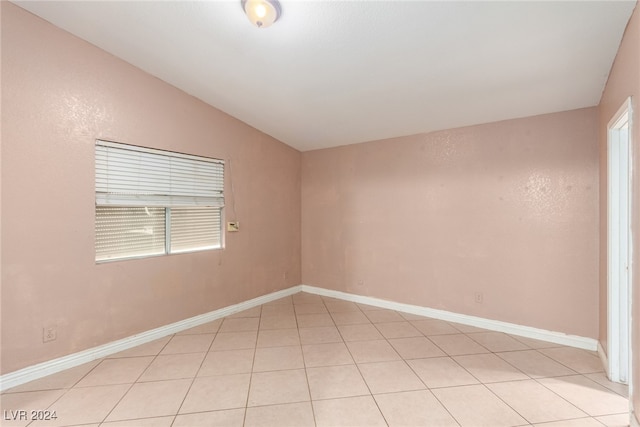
(155, 202)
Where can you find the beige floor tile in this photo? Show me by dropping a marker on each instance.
(457, 345)
(287, 415)
(250, 312)
(581, 361)
(441, 372)
(206, 328)
(535, 344)
(277, 310)
(65, 379)
(411, 316)
(467, 329)
(215, 393)
(580, 422)
(497, 341)
(224, 418)
(116, 371)
(234, 341)
(475, 405)
(330, 354)
(489, 368)
(389, 377)
(78, 425)
(242, 324)
(536, 403)
(327, 299)
(278, 322)
(278, 338)
(384, 316)
(336, 381)
(227, 362)
(601, 378)
(362, 332)
(342, 306)
(86, 405)
(142, 422)
(149, 349)
(587, 395)
(434, 327)
(306, 298)
(154, 399)
(278, 359)
(12, 404)
(414, 408)
(311, 309)
(321, 335)
(535, 364)
(348, 412)
(349, 318)
(372, 351)
(398, 330)
(173, 367)
(278, 387)
(416, 348)
(314, 320)
(188, 344)
(619, 420)
(274, 365)
(366, 307)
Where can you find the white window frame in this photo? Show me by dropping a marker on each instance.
(138, 177)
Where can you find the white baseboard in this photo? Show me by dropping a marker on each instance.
(493, 325)
(43, 369)
(604, 359)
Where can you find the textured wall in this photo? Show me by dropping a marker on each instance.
(507, 209)
(59, 94)
(624, 81)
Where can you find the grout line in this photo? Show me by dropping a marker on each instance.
(304, 362)
(136, 380)
(253, 362)
(357, 365)
(66, 390)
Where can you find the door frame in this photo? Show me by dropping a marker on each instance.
(619, 244)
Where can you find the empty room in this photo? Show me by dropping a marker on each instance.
(319, 213)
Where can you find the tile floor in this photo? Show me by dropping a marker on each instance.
(307, 360)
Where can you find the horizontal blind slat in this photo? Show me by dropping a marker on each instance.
(124, 232)
(195, 228)
(122, 168)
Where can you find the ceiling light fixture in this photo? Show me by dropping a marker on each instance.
(262, 13)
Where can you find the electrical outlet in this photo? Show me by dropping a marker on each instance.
(49, 333)
(479, 297)
(233, 226)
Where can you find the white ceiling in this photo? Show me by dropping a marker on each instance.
(332, 73)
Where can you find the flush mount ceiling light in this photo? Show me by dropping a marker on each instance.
(262, 13)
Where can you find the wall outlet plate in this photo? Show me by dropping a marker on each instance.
(49, 333)
(233, 226)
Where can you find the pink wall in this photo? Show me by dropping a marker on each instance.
(59, 94)
(507, 209)
(624, 81)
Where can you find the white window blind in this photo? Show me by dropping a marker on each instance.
(194, 228)
(134, 176)
(152, 202)
(124, 232)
